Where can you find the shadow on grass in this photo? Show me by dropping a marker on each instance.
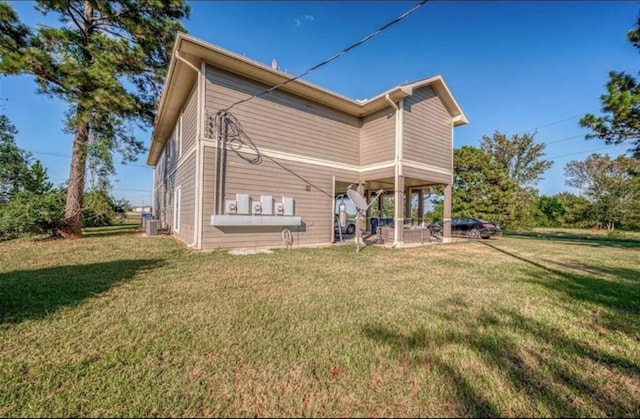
(114, 230)
(490, 351)
(480, 352)
(34, 294)
(580, 239)
(619, 295)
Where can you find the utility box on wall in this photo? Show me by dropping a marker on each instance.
(243, 203)
(267, 204)
(262, 212)
(288, 206)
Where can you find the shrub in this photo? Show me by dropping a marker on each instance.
(31, 213)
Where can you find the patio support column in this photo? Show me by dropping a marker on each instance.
(369, 210)
(407, 203)
(446, 214)
(420, 207)
(398, 212)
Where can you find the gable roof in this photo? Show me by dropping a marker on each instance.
(180, 79)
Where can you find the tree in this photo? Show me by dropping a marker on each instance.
(107, 60)
(620, 106)
(576, 210)
(551, 211)
(611, 186)
(482, 189)
(18, 171)
(522, 159)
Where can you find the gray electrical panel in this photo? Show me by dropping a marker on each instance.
(267, 204)
(243, 203)
(288, 206)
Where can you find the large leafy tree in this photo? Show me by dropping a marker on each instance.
(481, 188)
(576, 210)
(522, 159)
(18, 170)
(551, 211)
(620, 121)
(523, 163)
(107, 60)
(612, 187)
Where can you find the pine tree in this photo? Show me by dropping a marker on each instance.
(107, 61)
(620, 121)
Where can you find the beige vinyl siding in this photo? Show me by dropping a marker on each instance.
(166, 203)
(427, 129)
(185, 180)
(170, 153)
(209, 193)
(285, 122)
(189, 120)
(158, 180)
(166, 182)
(267, 178)
(378, 137)
(427, 175)
(378, 174)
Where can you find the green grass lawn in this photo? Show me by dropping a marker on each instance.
(118, 324)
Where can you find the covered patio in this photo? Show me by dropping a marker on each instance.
(407, 193)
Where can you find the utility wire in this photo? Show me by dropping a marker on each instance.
(565, 139)
(580, 152)
(561, 120)
(328, 60)
(237, 140)
(46, 153)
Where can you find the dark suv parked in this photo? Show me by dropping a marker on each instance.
(471, 227)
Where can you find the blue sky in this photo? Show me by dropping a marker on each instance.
(512, 66)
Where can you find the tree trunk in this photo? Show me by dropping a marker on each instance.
(75, 186)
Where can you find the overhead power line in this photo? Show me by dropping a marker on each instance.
(561, 120)
(328, 60)
(573, 137)
(46, 153)
(580, 152)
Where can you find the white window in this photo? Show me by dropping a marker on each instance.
(176, 210)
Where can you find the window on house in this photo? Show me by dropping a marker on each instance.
(176, 210)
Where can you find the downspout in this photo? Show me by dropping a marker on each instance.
(396, 168)
(202, 98)
(153, 192)
(197, 221)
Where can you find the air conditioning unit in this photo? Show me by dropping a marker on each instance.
(230, 207)
(152, 227)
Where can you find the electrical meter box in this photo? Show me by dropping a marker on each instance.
(267, 204)
(288, 206)
(243, 202)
